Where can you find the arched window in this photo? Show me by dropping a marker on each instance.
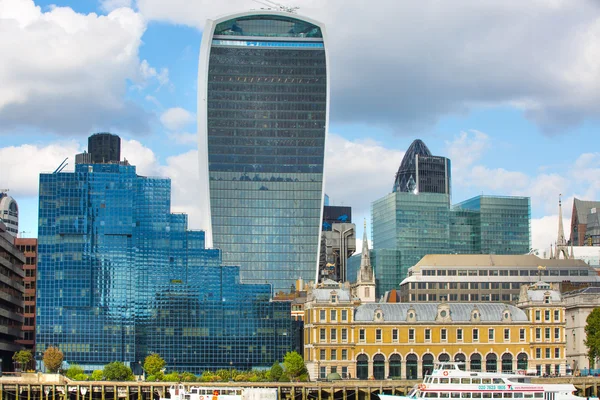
(444, 357)
(362, 366)
(379, 366)
(491, 363)
(411, 366)
(427, 364)
(507, 361)
(395, 366)
(462, 359)
(475, 362)
(522, 361)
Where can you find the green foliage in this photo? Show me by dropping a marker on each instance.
(117, 371)
(304, 377)
(188, 377)
(73, 371)
(97, 375)
(172, 377)
(81, 377)
(592, 332)
(285, 377)
(53, 359)
(153, 364)
(275, 372)
(23, 358)
(293, 364)
(226, 374)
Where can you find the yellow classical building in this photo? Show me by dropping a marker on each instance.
(344, 334)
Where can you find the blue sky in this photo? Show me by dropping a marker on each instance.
(509, 90)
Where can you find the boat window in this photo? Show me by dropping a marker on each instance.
(465, 381)
(455, 395)
(444, 380)
(431, 395)
(538, 395)
(518, 395)
(497, 395)
(455, 380)
(486, 381)
(498, 380)
(466, 395)
(435, 380)
(444, 395)
(476, 381)
(507, 395)
(477, 395)
(486, 395)
(528, 395)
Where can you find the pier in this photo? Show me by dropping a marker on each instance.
(20, 389)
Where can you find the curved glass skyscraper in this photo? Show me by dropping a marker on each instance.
(262, 119)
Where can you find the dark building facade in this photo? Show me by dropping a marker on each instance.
(104, 148)
(262, 112)
(28, 246)
(120, 276)
(583, 213)
(420, 171)
(11, 297)
(338, 243)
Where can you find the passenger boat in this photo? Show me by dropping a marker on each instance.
(179, 392)
(448, 382)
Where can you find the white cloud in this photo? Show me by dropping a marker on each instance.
(68, 72)
(109, 5)
(466, 148)
(149, 73)
(420, 60)
(544, 232)
(184, 138)
(177, 118)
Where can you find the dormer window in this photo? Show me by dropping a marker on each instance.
(334, 298)
(547, 299)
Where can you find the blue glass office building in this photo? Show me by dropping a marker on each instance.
(262, 120)
(409, 224)
(120, 276)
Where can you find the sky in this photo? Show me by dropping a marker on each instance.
(509, 90)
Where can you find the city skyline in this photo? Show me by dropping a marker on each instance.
(514, 118)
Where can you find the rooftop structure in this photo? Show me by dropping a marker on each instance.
(9, 213)
(579, 223)
(422, 172)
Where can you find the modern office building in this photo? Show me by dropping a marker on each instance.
(403, 340)
(120, 276)
(338, 242)
(495, 278)
(28, 246)
(11, 297)
(9, 213)
(262, 118)
(579, 223)
(104, 148)
(422, 172)
(408, 225)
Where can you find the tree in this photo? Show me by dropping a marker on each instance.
(73, 371)
(53, 359)
(275, 372)
(153, 364)
(97, 375)
(117, 371)
(592, 332)
(294, 365)
(23, 358)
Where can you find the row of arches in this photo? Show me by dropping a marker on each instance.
(490, 363)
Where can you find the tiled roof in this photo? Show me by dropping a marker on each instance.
(428, 311)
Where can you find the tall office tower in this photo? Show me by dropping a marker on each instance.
(262, 118)
(28, 246)
(104, 148)
(11, 304)
(422, 172)
(408, 225)
(338, 243)
(120, 276)
(9, 213)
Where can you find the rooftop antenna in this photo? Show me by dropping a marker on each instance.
(61, 166)
(278, 6)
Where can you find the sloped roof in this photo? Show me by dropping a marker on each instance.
(583, 207)
(496, 260)
(489, 312)
(325, 294)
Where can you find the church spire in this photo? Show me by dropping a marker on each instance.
(364, 288)
(365, 258)
(561, 232)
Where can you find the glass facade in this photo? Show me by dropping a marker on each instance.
(408, 226)
(119, 277)
(421, 172)
(266, 121)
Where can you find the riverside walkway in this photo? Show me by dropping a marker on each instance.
(19, 389)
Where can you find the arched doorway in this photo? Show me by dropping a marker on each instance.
(462, 360)
(507, 362)
(444, 357)
(411, 366)
(362, 366)
(491, 363)
(395, 366)
(427, 364)
(522, 361)
(475, 362)
(379, 366)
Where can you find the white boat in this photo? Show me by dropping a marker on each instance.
(179, 392)
(448, 382)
